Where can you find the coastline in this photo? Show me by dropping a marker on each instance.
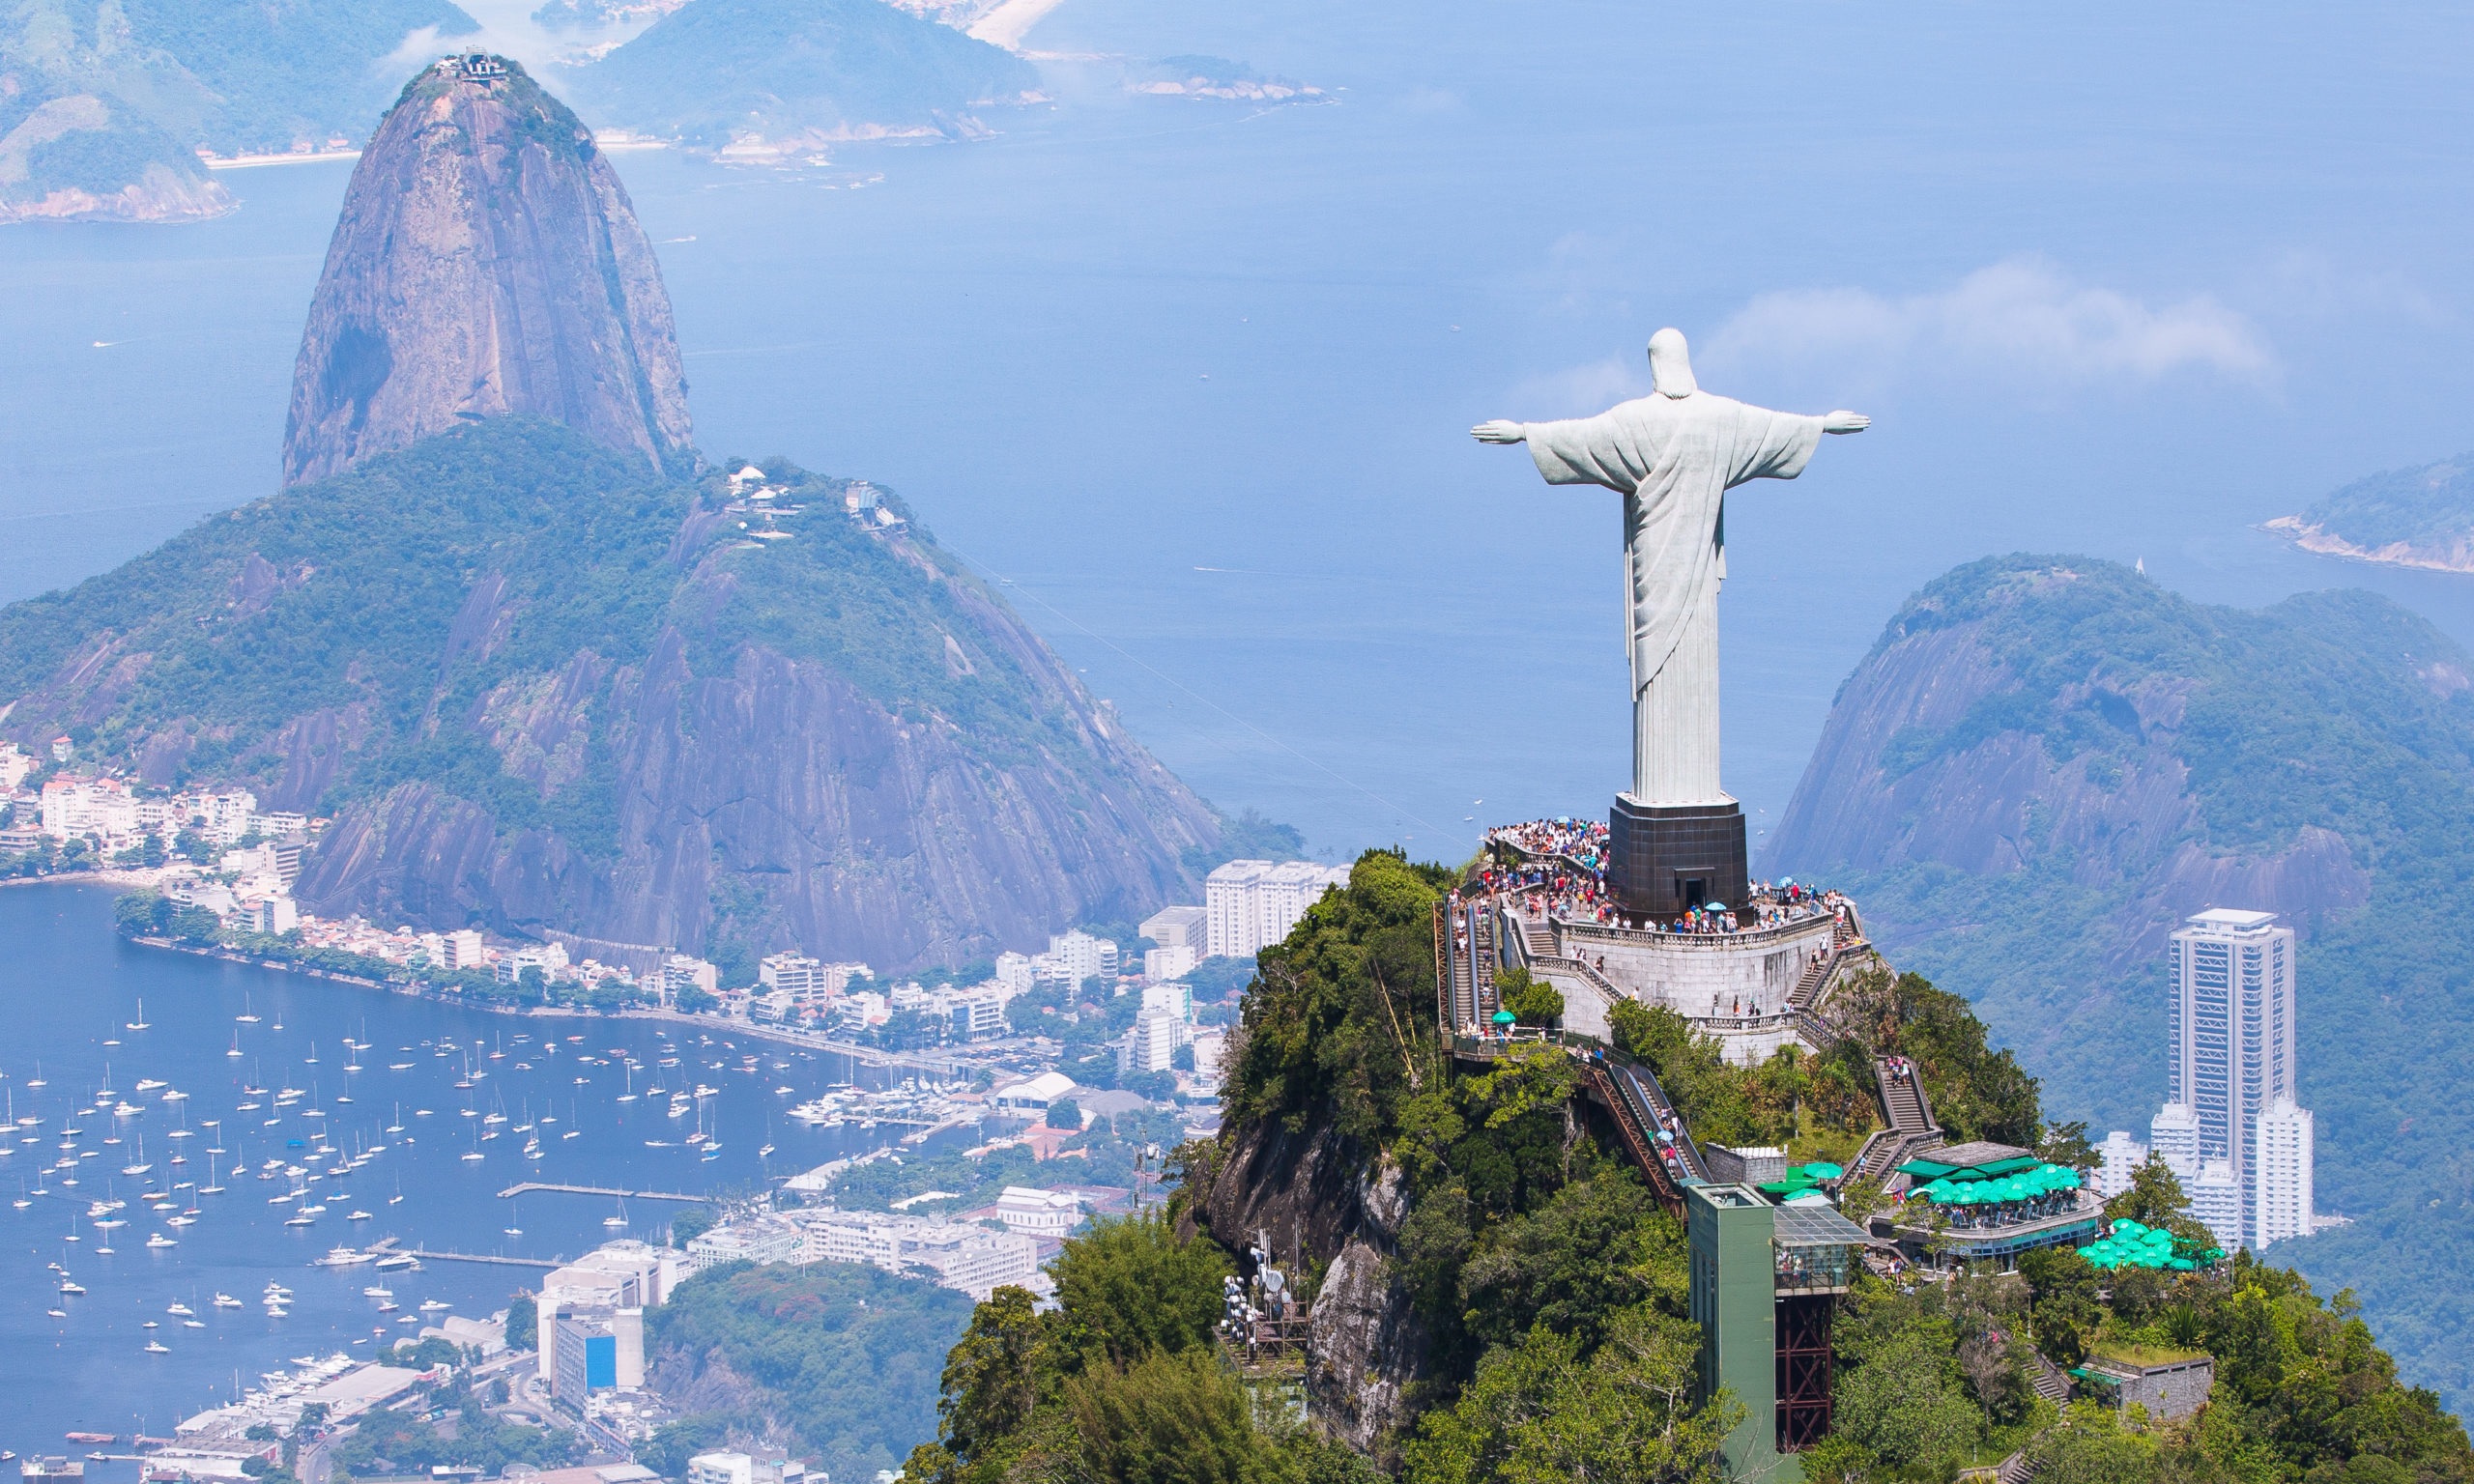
(117, 876)
(865, 1056)
(2396, 553)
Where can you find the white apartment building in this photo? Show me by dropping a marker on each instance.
(620, 1276)
(2117, 1157)
(2281, 1193)
(1250, 905)
(965, 1258)
(732, 1467)
(792, 974)
(1161, 963)
(1151, 1045)
(769, 1240)
(463, 949)
(2173, 1134)
(808, 980)
(1176, 999)
(1209, 1045)
(2231, 1028)
(1076, 957)
(1180, 927)
(2216, 1201)
(1014, 973)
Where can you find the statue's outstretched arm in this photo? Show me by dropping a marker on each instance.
(1844, 422)
(1499, 431)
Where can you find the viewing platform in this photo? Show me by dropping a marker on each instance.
(1755, 974)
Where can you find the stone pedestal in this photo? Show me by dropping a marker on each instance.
(1665, 859)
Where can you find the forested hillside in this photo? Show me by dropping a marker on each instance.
(102, 106)
(542, 687)
(1523, 1316)
(2047, 762)
(2407, 517)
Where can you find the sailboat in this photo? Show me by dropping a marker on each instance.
(511, 1229)
(235, 1044)
(140, 1023)
(619, 1220)
(139, 1166)
(247, 1016)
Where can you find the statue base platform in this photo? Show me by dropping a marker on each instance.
(1663, 860)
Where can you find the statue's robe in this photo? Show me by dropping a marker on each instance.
(1674, 458)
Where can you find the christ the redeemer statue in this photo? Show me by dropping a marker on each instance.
(1674, 454)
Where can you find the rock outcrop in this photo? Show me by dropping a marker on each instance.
(1317, 1197)
(487, 262)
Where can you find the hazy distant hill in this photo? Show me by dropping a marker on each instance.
(2047, 762)
(104, 104)
(2404, 517)
(794, 70)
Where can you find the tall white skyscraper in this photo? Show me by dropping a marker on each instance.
(2281, 1194)
(2230, 1021)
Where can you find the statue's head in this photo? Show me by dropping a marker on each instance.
(1671, 364)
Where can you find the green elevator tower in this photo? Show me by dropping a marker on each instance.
(1734, 1301)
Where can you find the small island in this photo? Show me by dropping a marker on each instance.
(2401, 518)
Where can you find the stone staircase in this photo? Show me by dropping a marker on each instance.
(1912, 1129)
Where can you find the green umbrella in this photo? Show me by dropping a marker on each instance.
(1504, 1017)
(1823, 1169)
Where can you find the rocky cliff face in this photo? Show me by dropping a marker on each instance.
(1914, 767)
(1316, 1195)
(487, 262)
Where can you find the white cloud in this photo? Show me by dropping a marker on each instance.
(2020, 316)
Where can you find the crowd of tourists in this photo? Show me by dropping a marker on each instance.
(1582, 842)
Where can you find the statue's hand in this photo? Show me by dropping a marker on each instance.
(1499, 431)
(1844, 422)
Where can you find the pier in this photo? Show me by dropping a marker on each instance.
(427, 1255)
(531, 1186)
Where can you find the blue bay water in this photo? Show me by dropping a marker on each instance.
(70, 987)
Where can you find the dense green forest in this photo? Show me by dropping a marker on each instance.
(1558, 1345)
(2336, 710)
(839, 1360)
(2430, 509)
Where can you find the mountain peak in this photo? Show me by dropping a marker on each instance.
(487, 262)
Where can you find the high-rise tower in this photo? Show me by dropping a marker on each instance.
(2232, 1027)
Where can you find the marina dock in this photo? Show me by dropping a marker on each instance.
(531, 1186)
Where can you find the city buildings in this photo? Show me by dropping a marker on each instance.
(2116, 1159)
(2281, 1193)
(1032, 1213)
(1250, 905)
(957, 1255)
(2231, 1061)
(589, 1316)
(725, 1467)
